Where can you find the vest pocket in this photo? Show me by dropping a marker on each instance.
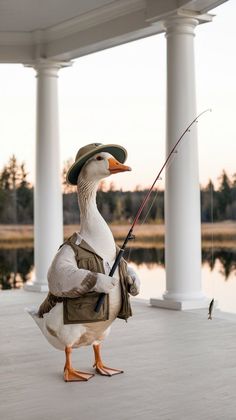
(81, 310)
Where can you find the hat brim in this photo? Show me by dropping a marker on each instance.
(115, 150)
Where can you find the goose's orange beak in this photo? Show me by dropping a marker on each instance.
(115, 166)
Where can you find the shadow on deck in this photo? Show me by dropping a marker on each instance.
(178, 366)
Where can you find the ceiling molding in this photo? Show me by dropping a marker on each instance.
(120, 30)
(202, 18)
(202, 6)
(94, 18)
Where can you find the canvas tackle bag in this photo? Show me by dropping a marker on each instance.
(81, 310)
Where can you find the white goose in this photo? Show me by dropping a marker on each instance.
(93, 163)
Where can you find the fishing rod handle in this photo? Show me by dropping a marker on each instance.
(113, 269)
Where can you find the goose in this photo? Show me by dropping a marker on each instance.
(93, 163)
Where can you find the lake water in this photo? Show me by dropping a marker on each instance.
(218, 272)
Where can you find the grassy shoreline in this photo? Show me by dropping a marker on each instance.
(147, 235)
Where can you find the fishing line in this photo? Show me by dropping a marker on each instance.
(169, 163)
(212, 250)
(156, 194)
(150, 208)
(212, 222)
(130, 235)
(177, 150)
(157, 191)
(154, 199)
(142, 222)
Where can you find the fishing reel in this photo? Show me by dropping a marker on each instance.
(131, 237)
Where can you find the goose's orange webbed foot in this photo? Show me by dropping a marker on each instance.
(100, 367)
(70, 374)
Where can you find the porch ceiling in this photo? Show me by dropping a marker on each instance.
(66, 29)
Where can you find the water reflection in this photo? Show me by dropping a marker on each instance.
(226, 257)
(148, 256)
(16, 265)
(154, 256)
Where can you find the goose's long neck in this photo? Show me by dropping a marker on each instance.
(94, 230)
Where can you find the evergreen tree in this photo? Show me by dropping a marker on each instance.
(23, 183)
(16, 196)
(224, 195)
(233, 194)
(5, 178)
(14, 170)
(208, 203)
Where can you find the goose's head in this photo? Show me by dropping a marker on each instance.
(101, 166)
(97, 161)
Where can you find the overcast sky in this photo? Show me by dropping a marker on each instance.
(118, 96)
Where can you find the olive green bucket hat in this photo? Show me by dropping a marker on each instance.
(87, 152)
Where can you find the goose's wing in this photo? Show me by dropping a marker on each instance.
(41, 322)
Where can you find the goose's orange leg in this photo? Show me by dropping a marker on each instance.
(71, 374)
(100, 368)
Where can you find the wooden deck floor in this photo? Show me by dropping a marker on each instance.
(178, 366)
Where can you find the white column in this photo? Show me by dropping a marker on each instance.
(182, 190)
(48, 211)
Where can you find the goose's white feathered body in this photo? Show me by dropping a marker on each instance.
(97, 234)
(76, 335)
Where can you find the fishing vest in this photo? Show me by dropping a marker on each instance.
(80, 310)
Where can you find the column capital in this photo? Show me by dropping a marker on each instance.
(180, 25)
(48, 67)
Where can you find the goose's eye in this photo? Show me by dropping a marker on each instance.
(99, 158)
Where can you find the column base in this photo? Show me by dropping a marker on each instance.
(179, 305)
(36, 287)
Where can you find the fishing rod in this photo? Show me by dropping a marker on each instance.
(130, 235)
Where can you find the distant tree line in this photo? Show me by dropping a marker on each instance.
(16, 194)
(16, 199)
(220, 204)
